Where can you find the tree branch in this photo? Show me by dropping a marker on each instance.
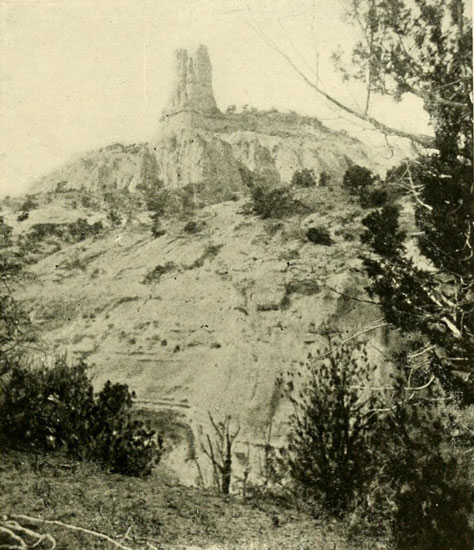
(421, 139)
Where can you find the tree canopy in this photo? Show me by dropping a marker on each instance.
(425, 47)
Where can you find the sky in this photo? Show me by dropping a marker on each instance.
(76, 75)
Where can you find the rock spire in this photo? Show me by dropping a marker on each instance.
(192, 86)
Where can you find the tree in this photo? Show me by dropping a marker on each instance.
(332, 428)
(16, 330)
(219, 452)
(357, 178)
(423, 47)
(436, 299)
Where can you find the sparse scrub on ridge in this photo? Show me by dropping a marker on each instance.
(54, 408)
(155, 274)
(304, 178)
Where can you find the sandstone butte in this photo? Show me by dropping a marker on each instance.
(235, 303)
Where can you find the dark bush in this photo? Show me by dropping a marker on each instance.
(23, 216)
(324, 179)
(273, 202)
(357, 178)
(194, 226)
(154, 275)
(373, 198)
(304, 178)
(52, 408)
(319, 235)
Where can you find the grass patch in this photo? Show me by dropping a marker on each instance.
(157, 511)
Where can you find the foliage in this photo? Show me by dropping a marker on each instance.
(330, 458)
(72, 232)
(155, 274)
(383, 233)
(357, 178)
(319, 235)
(273, 202)
(324, 179)
(433, 501)
(387, 460)
(304, 178)
(194, 226)
(425, 47)
(48, 408)
(16, 330)
(374, 197)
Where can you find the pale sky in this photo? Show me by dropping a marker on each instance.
(80, 74)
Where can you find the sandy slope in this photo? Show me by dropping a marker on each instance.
(233, 306)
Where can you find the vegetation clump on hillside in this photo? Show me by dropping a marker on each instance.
(52, 408)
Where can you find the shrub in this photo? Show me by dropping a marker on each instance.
(319, 235)
(194, 226)
(154, 275)
(433, 501)
(304, 178)
(273, 202)
(51, 408)
(324, 179)
(23, 216)
(373, 198)
(330, 458)
(357, 178)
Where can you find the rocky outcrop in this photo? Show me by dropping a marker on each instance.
(116, 166)
(192, 87)
(196, 145)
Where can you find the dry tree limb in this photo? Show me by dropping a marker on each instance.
(420, 139)
(29, 535)
(39, 521)
(11, 539)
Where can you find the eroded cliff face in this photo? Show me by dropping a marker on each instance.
(206, 321)
(198, 145)
(193, 139)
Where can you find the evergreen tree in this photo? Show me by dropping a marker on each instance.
(425, 47)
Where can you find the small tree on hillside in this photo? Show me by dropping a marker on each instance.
(219, 452)
(358, 178)
(304, 178)
(334, 421)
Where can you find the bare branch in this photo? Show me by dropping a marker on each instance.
(41, 522)
(421, 139)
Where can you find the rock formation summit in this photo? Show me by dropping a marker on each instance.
(198, 145)
(192, 87)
